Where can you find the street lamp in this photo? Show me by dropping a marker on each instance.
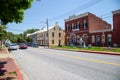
(47, 31)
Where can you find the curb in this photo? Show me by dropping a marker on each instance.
(94, 52)
(107, 53)
(19, 75)
(18, 72)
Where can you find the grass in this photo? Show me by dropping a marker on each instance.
(92, 49)
(14, 73)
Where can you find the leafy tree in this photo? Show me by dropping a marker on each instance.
(29, 38)
(2, 34)
(12, 37)
(13, 10)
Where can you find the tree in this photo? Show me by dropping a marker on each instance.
(2, 34)
(12, 37)
(13, 10)
(29, 38)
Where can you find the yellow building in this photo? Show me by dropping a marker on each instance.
(56, 36)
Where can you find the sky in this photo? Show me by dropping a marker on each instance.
(59, 10)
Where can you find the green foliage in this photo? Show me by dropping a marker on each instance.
(14, 73)
(29, 39)
(13, 10)
(30, 31)
(107, 49)
(17, 38)
(3, 32)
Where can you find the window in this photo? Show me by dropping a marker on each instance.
(85, 24)
(59, 28)
(54, 28)
(52, 34)
(67, 28)
(93, 39)
(59, 34)
(72, 26)
(109, 38)
(78, 25)
(52, 41)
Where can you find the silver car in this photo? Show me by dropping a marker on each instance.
(12, 47)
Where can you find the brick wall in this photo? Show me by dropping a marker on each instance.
(96, 23)
(116, 28)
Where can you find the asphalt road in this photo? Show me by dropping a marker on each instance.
(48, 64)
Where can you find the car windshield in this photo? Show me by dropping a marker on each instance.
(12, 44)
(22, 44)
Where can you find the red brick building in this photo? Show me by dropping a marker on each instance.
(87, 29)
(116, 28)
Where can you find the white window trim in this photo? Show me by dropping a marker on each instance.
(93, 39)
(84, 24)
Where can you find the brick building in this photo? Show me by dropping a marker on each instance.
(87, 29)
(116, 28)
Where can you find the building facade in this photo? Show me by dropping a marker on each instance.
(54, 36)
(116, 28)
(87, 29)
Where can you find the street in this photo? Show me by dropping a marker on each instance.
(49, 64)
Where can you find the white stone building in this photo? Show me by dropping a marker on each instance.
(55, 36)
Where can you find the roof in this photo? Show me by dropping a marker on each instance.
(76, 16)
(44, 30)
(116, 11)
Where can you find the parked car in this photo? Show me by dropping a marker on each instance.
(29, 44)
(7, 44)
(35, 45)
(12, 47)
(23, 46)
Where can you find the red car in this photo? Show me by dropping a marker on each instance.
(23, 46)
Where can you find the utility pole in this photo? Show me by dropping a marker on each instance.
(47, 32)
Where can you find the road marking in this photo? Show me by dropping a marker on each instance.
(88, 59)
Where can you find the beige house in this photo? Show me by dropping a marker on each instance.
(56, 36)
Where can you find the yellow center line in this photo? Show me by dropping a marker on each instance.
(88, 59)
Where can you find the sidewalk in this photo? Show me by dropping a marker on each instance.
(9, 67)
(89, 51)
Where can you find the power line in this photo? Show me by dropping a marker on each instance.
(108, 15)
(82, 7)
(15, 30)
